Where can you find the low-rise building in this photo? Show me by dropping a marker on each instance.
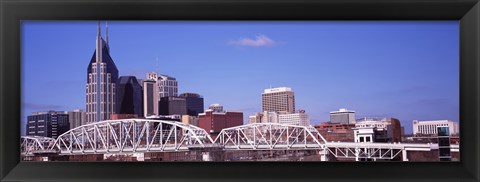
(430, 127)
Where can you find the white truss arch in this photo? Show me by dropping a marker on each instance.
(31, 144)
(270, 136)
(131, 135)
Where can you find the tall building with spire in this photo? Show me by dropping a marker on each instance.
(102, 76)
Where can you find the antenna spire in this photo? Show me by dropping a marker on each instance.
(106, 31)
(98, 29)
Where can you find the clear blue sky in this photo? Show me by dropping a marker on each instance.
(402, 69)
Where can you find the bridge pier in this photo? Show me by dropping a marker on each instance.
(404, 155)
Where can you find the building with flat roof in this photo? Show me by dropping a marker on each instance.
(172, 106)
(213, 122)
(379, 129)
(194, 103)
(167, 86)
(278, 99)
(430, 127)
(342, 116)
(150, 98)
(76, 118)
(48, 124)
(299, 118)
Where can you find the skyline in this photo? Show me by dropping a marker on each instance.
(259, 50)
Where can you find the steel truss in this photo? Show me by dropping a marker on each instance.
(270, 136)
(32, 144)
(131, 135)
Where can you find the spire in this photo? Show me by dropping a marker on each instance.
(106, 31)
(98, 30)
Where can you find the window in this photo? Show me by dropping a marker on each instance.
(361, 139)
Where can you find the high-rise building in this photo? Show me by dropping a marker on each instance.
(194, 103)
(342, 116)
(172, 106)
(430, 127)
(167, 86)
(150, 98)
(299, 118)
(76, 118)
(48, 124)
(278, 99)
(129, 96)
(102, 75)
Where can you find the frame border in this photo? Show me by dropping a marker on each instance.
(13, 12)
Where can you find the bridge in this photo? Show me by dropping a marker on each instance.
(146, 135)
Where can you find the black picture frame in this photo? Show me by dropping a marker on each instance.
(13, 12)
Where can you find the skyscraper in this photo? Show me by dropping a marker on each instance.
(280, 99)
(167, 86)
(129, 96)
(150, 95)
(102, 75)
(194, 103)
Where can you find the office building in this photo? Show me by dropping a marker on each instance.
(264, 117)
(150, 97)
(299, 118)
(278, 99)
(48, 124)
(172, 106)
(194, 103)
(129, 96)
(343, 116)
(214, 121)
(430, 127)
(167, 86)
(102, 75)
(76, 118)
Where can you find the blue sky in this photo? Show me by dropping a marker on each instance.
(402, 69)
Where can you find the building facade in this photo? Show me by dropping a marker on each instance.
(76, 118)
(192, 120)
(300, 118)
(342, 116)
(194, 103)
(102, 75)
(430, 127)
(379, 129)
(278, 99)
(214, 122)
(48, 124)
(216, 108)
(336, 132)
(172, 106)
(167, 86)
(129, 96)
(150, 98)
(265, 117)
